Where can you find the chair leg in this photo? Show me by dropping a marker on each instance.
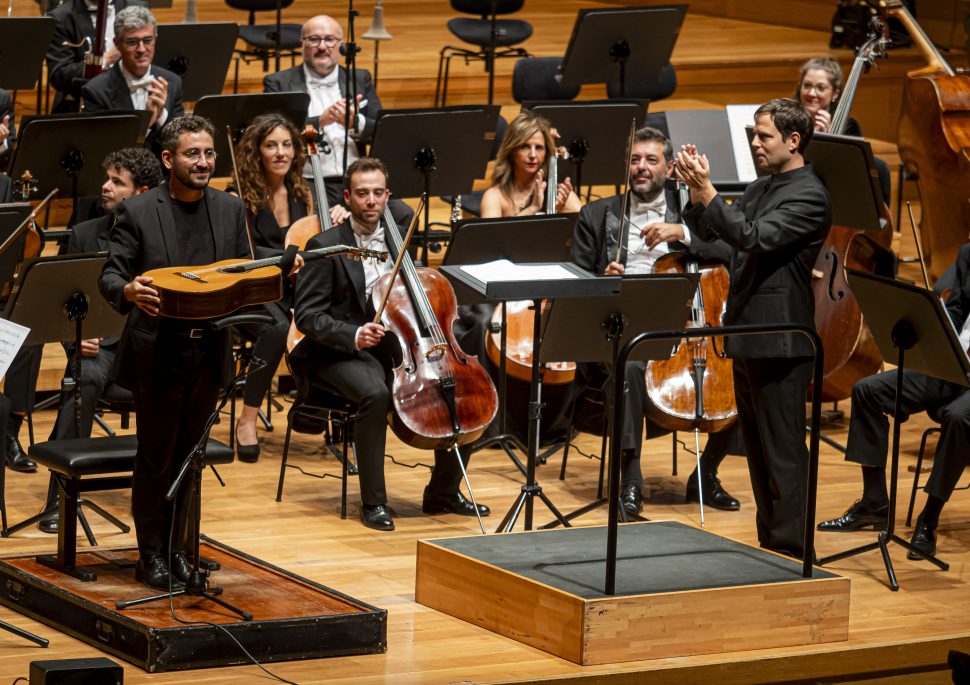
(437, 83)
(919, 466)
(569, 440)
(85, 526)
(235, 78)
(343, 468)
(110, 518)
(286, 451)
(30, 427)
(105, 427)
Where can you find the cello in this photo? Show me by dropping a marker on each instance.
(934, 144)
(442, 398)
(301, 230)
(851, 352)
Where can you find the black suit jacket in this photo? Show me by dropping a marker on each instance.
(776, 231)
(108, 90)
(6, 189)
(958, 304)
(6, 110)
(596, 229)
(72, 23)
(144, 238)
(293, 80)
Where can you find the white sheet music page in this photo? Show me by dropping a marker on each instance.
(504, 270)
(12, 336)
(740, 116)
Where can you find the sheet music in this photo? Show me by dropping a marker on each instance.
(12, 336)
(504, 270)
(740, 116)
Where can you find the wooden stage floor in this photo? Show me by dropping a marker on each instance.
(889, 632)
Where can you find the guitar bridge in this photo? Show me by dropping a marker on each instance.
(191, 276)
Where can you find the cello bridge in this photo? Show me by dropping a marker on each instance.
(436, 351)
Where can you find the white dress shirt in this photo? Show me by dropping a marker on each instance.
(373, 268)
(324, 91)
(138, 88)
(965, 336)
(639, 259)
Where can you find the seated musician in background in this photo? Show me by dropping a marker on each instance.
(74, 21)
(8, 128)
(776, 231)
(819, 87)
(269, 159)
(347, 353)
(518, 185)
(173, 367)
(873, 399)
(135, 83)
(654, 229)
(128, 172)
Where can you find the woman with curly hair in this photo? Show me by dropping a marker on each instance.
(521, 166)
(269, 163)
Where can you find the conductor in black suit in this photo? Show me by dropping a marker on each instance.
(134, 83)
(174, 367)
(776, 231)
(350, 355)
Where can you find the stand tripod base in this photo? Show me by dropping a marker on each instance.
(882, 544)
(525, 499)
(622, 514)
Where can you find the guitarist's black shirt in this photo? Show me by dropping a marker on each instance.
(193, 232)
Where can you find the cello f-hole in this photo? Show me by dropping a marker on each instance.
(835, 294)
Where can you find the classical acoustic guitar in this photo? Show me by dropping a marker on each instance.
(213, 290)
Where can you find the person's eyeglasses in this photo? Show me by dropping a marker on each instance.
(820, 88)
(132, 43)
(314, 41)
(195, 155)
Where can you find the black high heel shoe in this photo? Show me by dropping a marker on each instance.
(246, 453)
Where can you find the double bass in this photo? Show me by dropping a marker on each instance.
(303, 229)
(934, 144)
(851, 352)
(441, 396)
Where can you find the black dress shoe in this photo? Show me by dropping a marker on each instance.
(181, 567)
(16, 459)
(153, 572)
(924, 539)
(49, 523)
(631, 499)
(377, 517)
(714, 494)
(451, 504)
(859, 516)
(246, 453)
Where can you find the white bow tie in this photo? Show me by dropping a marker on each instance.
(658, 206)
(376, 237)
(139, 83)
(330, 79)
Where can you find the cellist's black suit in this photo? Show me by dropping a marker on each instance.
(330, 306)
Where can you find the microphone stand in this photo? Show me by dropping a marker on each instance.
(349, 50)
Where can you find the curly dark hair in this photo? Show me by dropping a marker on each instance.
(139, 162)
(174, 128)
(249, 164)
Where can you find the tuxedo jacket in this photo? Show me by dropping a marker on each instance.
(108, 90)
(293, 80)
(144, 238)
(775, 231)
(597, 229)
(72, 23)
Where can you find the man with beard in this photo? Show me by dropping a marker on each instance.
(173, 367)
(653, 229)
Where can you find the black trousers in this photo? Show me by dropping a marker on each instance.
(21, 379)
(269, 346)
(95, 376)
(873, 400)
(770, 394)
(363, 380)
(172, 411)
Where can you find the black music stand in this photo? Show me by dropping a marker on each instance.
(592, 329)
(846, 167)
(621, 44)
(418, 146)
(237, 111)
(913, 331)
(199, 53)
(11, 217)
(66, 150)
(478, 241)
(583, 284)
(68, 284)
(23, 47)
(592, 132)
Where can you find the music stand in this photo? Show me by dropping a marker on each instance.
(846, 167)
(11, 217)
(581, 284)
(23, 47)
(417, 145)
(66, 150)
(621, 44)
(199, 53)
(593, 329)
(909, 325)
(68, 284)
(237, 111)
(478, 241)
(592, 132)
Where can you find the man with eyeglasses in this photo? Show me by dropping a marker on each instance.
(134, 82)
(173, 367)
(653, 229)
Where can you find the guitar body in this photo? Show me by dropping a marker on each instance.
(207, 292)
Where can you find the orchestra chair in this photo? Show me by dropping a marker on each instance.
(919, 466)
(265, 41)
(663, 87)
(314, 409)
(243, 341)
(534, 78)
(478, 32)
(81, 465)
